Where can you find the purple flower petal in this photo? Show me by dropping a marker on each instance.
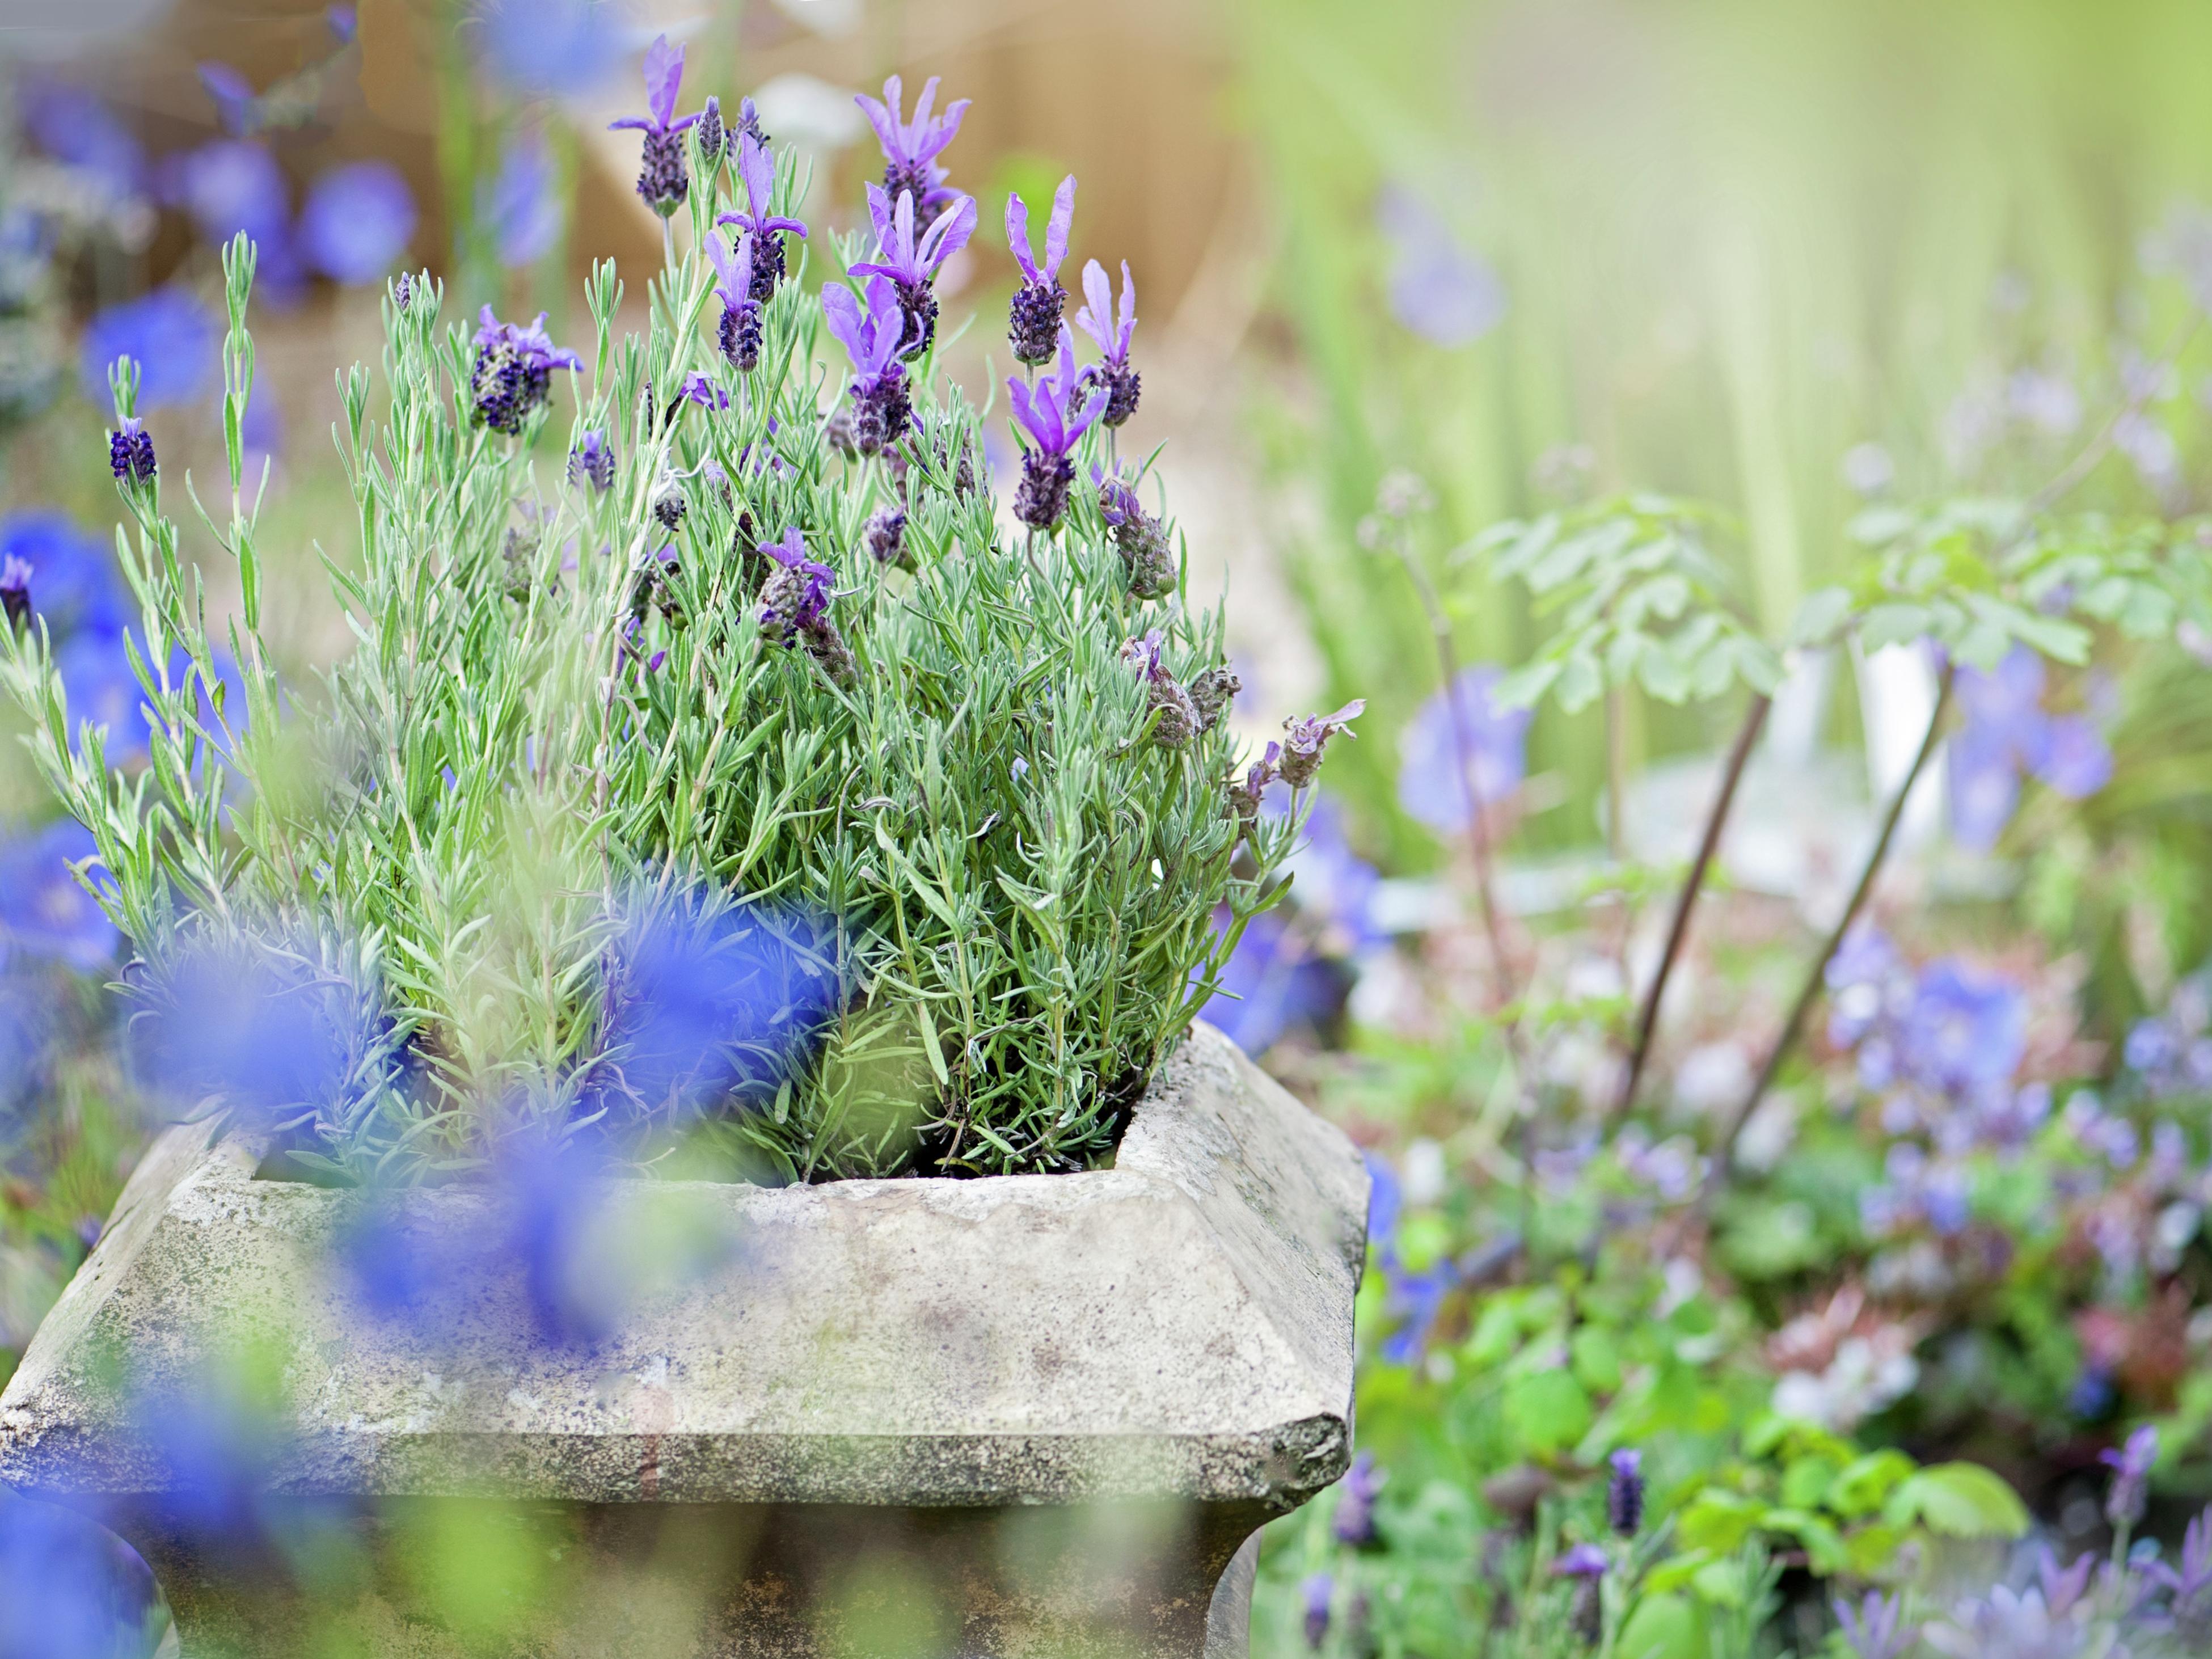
(1055, 230)
(2075, 762)
(664, 78)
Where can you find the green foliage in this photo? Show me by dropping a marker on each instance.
(557, 716)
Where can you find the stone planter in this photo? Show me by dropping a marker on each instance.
(1032, 1414)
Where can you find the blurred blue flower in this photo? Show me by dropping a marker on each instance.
(44, 911)
(1385, 1198)
(168, 333)
(235, 184)
(1333, 886)
(1984, 784)
(236, 108)
(521, 203)
(1430, 786)
(1865, 957)
(73, 585)
(1353, 1523)
(357, 222)
(2076, 762)
(1964, 1031)
(2005, 703)
(1315, 1591)
(2006, 733)
(1415, 1300)
(76, 128)
(711, 1005)
(1270, 983)
(69, 1587)
(27, 1030)
(1438, 289)
(557, 47)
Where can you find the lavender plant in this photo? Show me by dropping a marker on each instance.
(692, 775)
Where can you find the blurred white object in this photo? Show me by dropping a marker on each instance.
(834, 19)
(1800, 705)
(807, 110)
(1897, 695)
(43, 29)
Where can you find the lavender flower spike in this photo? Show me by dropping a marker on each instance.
(756, 172)
(592, 461)
(911, 259)
(663, 180)
(513, 372)
(2130, 1466)
(1876, 1629)
(740, 332)
(1034, 326)
(1624, 1497)
(1050, 415)
(1304, 740)
(1097, 318)
(795, 606)
(130, 452)
(882, 413)
(16, 590)
(1141, 539)
(911, 148)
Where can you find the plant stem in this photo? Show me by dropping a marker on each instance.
(1810, 992)
(1647, 1022)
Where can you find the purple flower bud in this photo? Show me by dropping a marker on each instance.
(1581, 1561)
(1211, 693)
(1317, 1591)
(16, 590)
(885, 536)
(795, 606)
(749, 123)
(712, 140)
(2130, 1465)
(1040, 500)
(593, 462)
(756, 172)
(1177, 718)
(1353, 1523)
(1123, 384)
(1244, 798)
(1624, 1497)
(1875, 1630)
(1141, 539)
(1034, 326)
(130, 452)
(1303, 740)
(910, 256)
(513, 371)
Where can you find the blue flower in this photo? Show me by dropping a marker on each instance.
(2076, 762)
(69, 1589)
(1386, 1197)
(357, 221)
(44, 911)
(551, 47)
(168, 333)
(1430, 786)
(1963, 1031)
(520, 203)
(1334, 886)
(1436, 289)
(73, 582)
(1270, 983)
(2007, 733)
(1983, 780)
(28, 1030)
(235, 184)
(1315, 1591)
(77, 128)
(1415, 1299)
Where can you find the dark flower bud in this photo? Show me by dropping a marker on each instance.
(513, 371)
(708, 133)
(769, 267)
(16, 590)
(1141, 540)
(1318, 1590)
(1173, 716)
(593, 462)
(885, 536)
(1353, 1523)
(1124, 386)
(918, 300)
(1210, 694)
(1303, 740)
(749, 123)
(838, 432)
(883, 413)
(130, 452)
(1041, 499)
(740, 336)
(403, 291)
(1624, 1497)
(795, 607)
(1033, 325)
(1244, 798)
(670, 506)
(663, 181)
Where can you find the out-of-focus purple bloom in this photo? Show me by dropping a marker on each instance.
(168, 333)
(1353, 1523)
(1876, 1629)
(69, 1587)
(664, 179)
(709, 1008)
(2150, 1047)
(357, 221)
(1436, 289)
(343, 23)
(756, 172)
(2006, 702)
(1098, 319)
(78, 130)
(1865, 957)
(1316, 1590)
(45, 912)
(1033, 323)
(1964, 1031)
(2091, 1393)
(1431, 785)
(1624, 1493)
(74, 583)
(881, 411)
(1049, 415)
(513, 371)
(2076, 762)
(1386, 1197)
(592, 461)
(1333, 885)
(2046, 400)
(550, 47)
(698, 389)
(1270, 983)
(14, 590)
(1306, 736)
(1415, 1300)
(522, 203)
(911, 256)
(1984, 783)
(2130, 1464)
(1581, 1561)
(911, 147)
(234, 186)
(2006, 732)
(236, 107)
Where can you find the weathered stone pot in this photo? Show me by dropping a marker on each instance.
(1021, 1415)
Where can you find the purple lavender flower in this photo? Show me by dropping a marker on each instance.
(663, 180)
(1353, 1523)
(1624, 1493)
(1305, 738)
(1172, 715)
(1316, 1591)
(1413, 1300)
(1140, 538)
(1982, 782)
(513, 371)
(1049, 415)
(130, 452)
(911, 148)
(1097, 318)
(1430, 786)
(2130, 1465)
(739, 334)
(911, 257)
(885, 537)
(15, 590)
(593, 462)
(2076, 762)
(1244, 798)
(541, 47)
(1033, 325)
(357, 221)
(1581, 1561)
(795, 606)
(756, 172)
(1876, 1629)
(167, 333)
(700, 390)
(712, 138)
(236, 107)
(44, 911)
(520, 203)
(882, 414)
